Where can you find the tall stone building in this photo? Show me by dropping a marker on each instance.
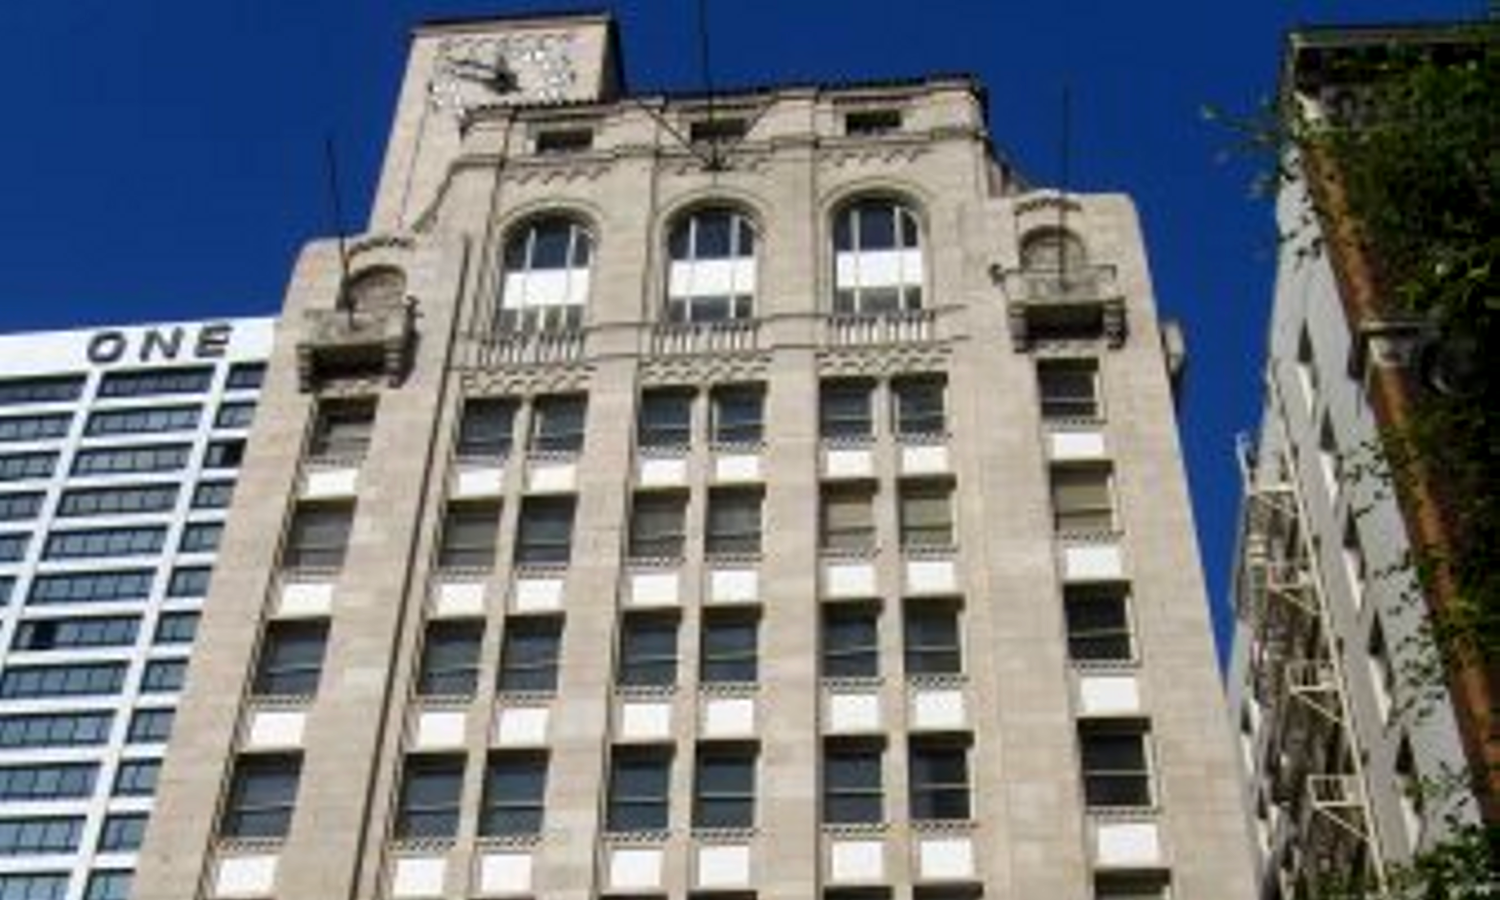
(1339, 728)
(765, 495)
(119, 449)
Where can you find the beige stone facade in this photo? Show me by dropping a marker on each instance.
(809, 357)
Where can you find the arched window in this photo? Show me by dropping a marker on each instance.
(546, 276)
(383, 287)
(1053, 250)
(877, 258)
(711, 276)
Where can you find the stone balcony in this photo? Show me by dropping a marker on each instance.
(1080, 304)
(705, 338)
(356, 343)
(882, 329)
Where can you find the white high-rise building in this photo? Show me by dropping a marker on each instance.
(119, 449)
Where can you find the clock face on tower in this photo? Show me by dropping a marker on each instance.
(533, 67)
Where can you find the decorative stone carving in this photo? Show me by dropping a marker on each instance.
(718, 369)
(527, 381)
(886, 360)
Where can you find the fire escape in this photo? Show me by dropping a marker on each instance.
(1325, 833)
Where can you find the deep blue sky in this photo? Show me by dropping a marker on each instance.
(163, 158)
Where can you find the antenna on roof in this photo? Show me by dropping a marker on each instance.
(337, 209)
(712, 160)
(1065, 152)
(716, 162)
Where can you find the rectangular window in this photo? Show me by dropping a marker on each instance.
(734, 525)
(1354, 562)
(515, 787)
(430, 790)
(238, 414)
(163, 676)
(291, 658)
(1382, 672)
(450, 659)
(24, 466)
(113, 501)
(151, 726)
(7, 584)
(41, 427)
(79, 680)
(226, 454)
(648, 651)
(872, 122)
(933, 646)
(845, 410)
(729, 649)
(1116, 770)
(156, 382)
(262, 796)
(20, 507)
(122, 833)
(34, 886)
(47, 781)
(1068, 388)
(716, 130)
(545, 533)
(557, 425)
(919, 405)
(852, 784)
(41, 389)
(738, 413)
(926, 515)
(152, 420)
(665, 418)
(851, 641)
(658, 525)
(176, 628)
(939, 774)
(343, 430)
(486, 427)
(213, 495)
(245, 376)
(40, 730)
(40, 835)
(91, 587)
(189, 581)
(1098, 621)
(470, 535)
(639, 790)
(1131, 886)
(848, 518)
(1307, 368)
(131, 460)
(109, 885)
(724, 787)
(559, 141)
(104, 543)
(319, 537)
(13, 547)
(1329, 462)
(1082, 499)
(137, 778)
(528, 655)
(201, 537)
(68, 634)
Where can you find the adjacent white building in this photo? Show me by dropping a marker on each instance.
(119, 449)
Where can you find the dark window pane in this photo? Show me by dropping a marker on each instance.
(429, 802)
(450, 659)
(528, 660)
